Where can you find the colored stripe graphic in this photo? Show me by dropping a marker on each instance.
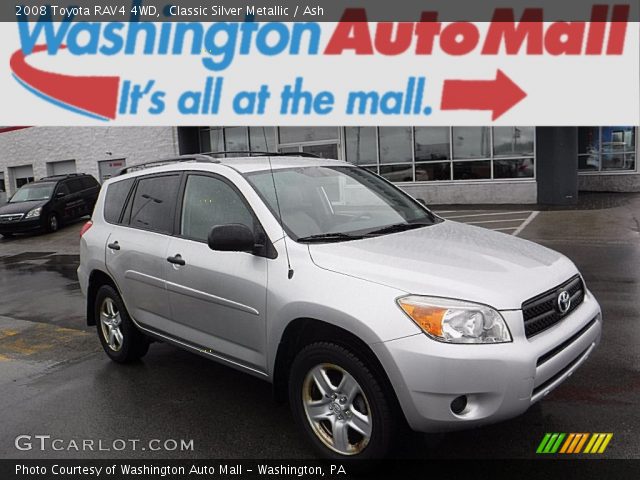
(550, 443)
(95, 97)
(574, 443)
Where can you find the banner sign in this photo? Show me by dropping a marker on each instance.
(516, 69)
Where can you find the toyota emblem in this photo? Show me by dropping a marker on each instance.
(564, 302)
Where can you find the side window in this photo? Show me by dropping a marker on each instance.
(207, 202)
(62, 188)
(75, 185)
(154, 202)
(88, 182)
(117, 194)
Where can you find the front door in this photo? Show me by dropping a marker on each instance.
(218, 299)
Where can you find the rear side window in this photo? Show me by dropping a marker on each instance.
(154, 202)
(115, 199)
(75, 185)
(88, 182)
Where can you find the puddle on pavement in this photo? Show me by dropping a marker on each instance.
(34, 262)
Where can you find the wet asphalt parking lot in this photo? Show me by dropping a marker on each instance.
(55, 380)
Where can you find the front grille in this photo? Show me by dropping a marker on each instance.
(12, 217)
(542, 311)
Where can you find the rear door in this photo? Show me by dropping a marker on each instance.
(75, 205)
(136, 249)
(218, 299)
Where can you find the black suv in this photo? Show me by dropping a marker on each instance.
(45, 204)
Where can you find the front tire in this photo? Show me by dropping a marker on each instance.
(53, 223)
(120, 338)
(339, 404)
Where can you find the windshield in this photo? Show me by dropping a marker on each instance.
(32, 192)
(337, 203)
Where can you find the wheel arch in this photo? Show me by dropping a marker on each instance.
(304, 331)
(97, 278)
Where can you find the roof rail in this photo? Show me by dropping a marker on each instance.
(62, 175)
(257, 153)
(166, 161)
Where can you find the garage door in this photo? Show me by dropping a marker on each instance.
(61, 168)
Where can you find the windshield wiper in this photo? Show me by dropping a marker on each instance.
(329, 237)
(397, 227)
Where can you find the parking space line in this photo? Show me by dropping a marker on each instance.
(503, 229)
(525, 223)
(497, 221)
(488, 214)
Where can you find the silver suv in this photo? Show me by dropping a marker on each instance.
(362, 307)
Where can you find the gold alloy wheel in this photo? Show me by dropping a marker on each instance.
(337, 409)
(110, 324)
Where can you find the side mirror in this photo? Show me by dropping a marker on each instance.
(233, 237)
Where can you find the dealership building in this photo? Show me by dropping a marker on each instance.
(442, 165)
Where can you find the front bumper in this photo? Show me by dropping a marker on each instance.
(22, 226)
(500, 381)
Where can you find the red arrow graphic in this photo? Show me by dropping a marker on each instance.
(97, 95)
(498, 95)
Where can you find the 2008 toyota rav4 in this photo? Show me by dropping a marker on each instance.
(352, 298)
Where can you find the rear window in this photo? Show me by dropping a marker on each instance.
(117, 194)
(88, 181)
(154, 203)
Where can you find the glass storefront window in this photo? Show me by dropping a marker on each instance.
(432, 143)
(262, 139)
(588, 140)
(477, 170)
(517, 168)
(236, 139)
(606, 148)
(308, 134)
(397, 173)
(211, 140)
(513, 141)
(426, 172)
(360, 145)
(471, 142)
(395, 145)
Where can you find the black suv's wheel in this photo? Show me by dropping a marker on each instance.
(341, 406)
(121, 340)
(53, 223)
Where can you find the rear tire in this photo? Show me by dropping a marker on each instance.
(336, 400)
(120, 338)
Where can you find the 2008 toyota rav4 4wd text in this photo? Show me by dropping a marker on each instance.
(353, 299)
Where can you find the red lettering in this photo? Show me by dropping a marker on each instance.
(352, 33)
(618, 30)
(503, 29)
(386, 44)
(426, 30)
(459, 38)
(564, 38)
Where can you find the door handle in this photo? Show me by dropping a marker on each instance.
(176, 260)
(114, 246)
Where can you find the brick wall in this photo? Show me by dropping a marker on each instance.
(86, 145)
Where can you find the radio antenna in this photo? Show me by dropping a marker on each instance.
(284, 236)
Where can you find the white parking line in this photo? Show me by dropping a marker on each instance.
(488, 214)
(525, 223)
(498, 221)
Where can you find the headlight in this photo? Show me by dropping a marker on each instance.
(35, 213)
(455, 321)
